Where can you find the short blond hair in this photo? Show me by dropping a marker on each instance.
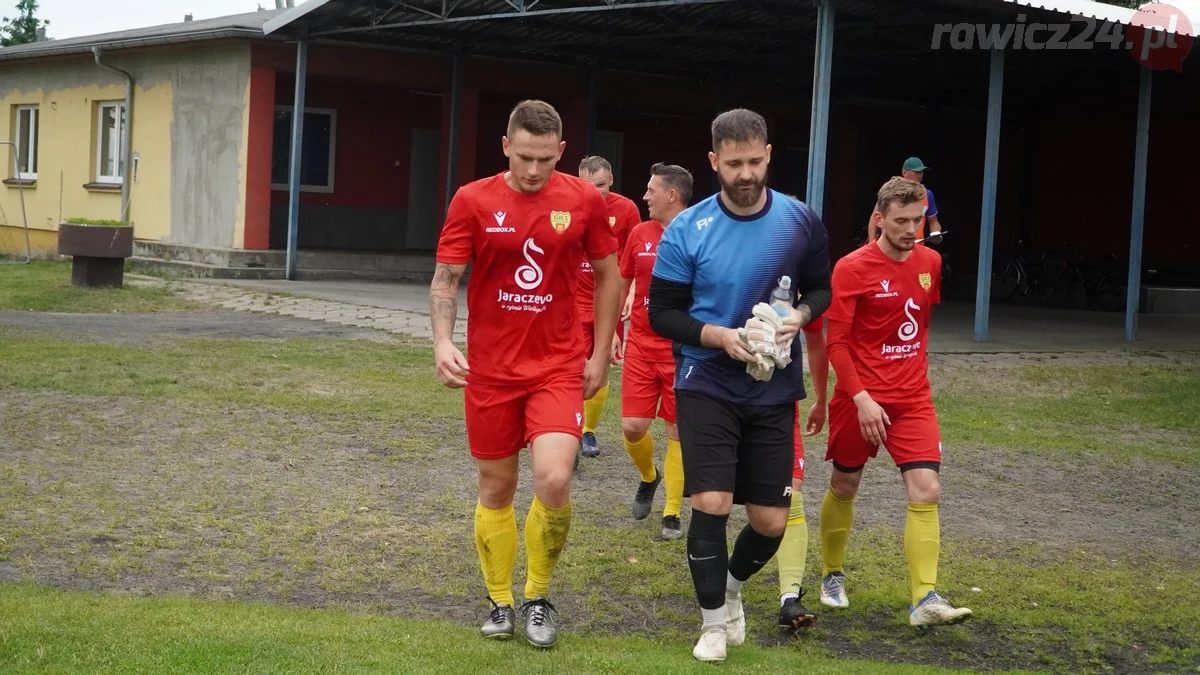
(900, 191)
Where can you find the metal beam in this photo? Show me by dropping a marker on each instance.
(1140, 154)
(991, 167)
(456, 80)
(593, 104)
(818, 128)
(296, 151)
(643, 4)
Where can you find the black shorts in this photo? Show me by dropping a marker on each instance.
(731, 447)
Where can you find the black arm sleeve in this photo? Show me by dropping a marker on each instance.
(814, 280)
(669, 305)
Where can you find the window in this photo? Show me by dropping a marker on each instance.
(26, 139)
(111, 137)
(316, 152)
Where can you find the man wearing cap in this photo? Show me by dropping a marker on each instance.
(914, 169)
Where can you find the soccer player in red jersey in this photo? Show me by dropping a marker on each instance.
(623, 215)
(526, 230)
(883, 294)
(648, 378)
(793, 550)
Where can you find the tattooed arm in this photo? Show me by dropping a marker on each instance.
(452, 366)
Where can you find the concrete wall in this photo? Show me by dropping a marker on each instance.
(188, 133)
(208, 157)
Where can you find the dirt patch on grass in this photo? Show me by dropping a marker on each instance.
(159, 498)
(156, 327)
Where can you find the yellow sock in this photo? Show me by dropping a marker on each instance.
(673, 476)
(922, 543)
(837, 514)
(641, 452)
(545, 535)
(592, 408)
(794, 548)
(496, 541)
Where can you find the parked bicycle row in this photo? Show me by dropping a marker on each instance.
(1052, 279)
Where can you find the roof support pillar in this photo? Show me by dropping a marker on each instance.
(1140, 156)
(818, 131)
(295, 155)
(456, 85)
(593, 104)
(991, 167)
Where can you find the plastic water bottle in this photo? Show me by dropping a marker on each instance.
(781, 297)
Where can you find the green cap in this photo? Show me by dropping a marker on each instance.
(914, 164)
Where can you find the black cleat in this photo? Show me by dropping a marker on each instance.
(671, 528)
(644, 498)
(794, 615)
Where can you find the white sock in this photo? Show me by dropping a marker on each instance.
(713, 617)
(787, 596)
(732, 586)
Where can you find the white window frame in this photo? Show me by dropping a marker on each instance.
(122, 139)
(30, 143)
(326, 189)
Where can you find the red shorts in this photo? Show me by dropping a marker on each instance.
(589, 339)
(504, 419)
(798, 465)
(647, 388)
(912, 436)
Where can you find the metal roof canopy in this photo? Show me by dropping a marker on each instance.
(718, 38)
(767, 44)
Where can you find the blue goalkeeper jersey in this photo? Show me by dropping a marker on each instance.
(732, 263)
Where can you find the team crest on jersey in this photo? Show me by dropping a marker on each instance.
(926, 280)
(560, 220)
(612, 221)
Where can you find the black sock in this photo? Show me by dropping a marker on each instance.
(708, 558)
(750, 552)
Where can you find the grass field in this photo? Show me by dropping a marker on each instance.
(272, 504)
(45, 286)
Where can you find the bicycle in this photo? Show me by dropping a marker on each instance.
(1048, 280)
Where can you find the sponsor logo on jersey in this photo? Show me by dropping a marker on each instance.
(528, 278)
(906, 333)
(499, 228)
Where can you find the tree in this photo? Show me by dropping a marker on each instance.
(24, 28)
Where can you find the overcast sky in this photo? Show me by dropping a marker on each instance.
(72, 18)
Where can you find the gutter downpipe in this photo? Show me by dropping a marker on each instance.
(127, 137)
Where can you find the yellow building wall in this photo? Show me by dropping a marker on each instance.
(67, 128)
(189, 141)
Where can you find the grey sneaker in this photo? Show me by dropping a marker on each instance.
(500, 622)
(539, 622)
(644, 498)
(672, 529)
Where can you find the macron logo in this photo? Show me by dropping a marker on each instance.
(648, 245)
(704, 222)
(500, 228)
(885, 285)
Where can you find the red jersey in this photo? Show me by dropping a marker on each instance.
(888, 305)
(526, 248)
(637, 263)
(623, 215)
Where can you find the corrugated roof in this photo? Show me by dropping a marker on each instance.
(237, 25)
(1102, 11)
